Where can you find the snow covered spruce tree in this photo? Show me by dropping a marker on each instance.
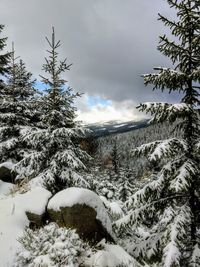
(56, 157)
(15, 109)
(165, 214)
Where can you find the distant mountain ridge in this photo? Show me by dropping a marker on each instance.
(114, 127)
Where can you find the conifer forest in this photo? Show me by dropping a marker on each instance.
(75, 192)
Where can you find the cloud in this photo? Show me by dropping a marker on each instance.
(108, 112)
(111, 43)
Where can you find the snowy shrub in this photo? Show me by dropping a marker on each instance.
(51, 246)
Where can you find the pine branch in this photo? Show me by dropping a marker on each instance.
(175, 26)
(166, 79)
(172, 50)
(174, 3)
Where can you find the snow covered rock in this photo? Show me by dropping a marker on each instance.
(36, 219)
(13, 220)
(83, 210)
(6, 172)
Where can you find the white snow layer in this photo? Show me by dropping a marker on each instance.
(5, 188)
(73, 195)
(111, 256)
(121, 125)
(13, 220)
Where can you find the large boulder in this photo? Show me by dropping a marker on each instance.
(83, 210)
(6, 172)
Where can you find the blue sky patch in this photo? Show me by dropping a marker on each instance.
(96, 100)
(40, 86)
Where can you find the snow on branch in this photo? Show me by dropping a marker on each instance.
(138, 198)
(163, 112)
(195, 258)
(197, 146)
(8, 144)
(139, 214)
(183, 176)
(155, 186)
(176, 232)
(145, 148)
(29, 165)
(69, 158)
(78, 132)
(159, 149)
(166, 78)
(167, 148)
(33, 138)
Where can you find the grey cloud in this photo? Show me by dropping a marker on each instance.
(110, 42)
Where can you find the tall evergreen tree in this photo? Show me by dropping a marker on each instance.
(56, 157)
(15, 110)
(168, 207)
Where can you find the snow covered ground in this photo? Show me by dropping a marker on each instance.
(13, 219)
(5, 189)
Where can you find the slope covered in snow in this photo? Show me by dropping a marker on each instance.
(114, 127)
(13, 220)
(5, 189)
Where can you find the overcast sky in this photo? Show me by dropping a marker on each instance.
(110, 43)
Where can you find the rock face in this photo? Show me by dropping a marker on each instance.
(81, 209)
(36, 220)
(83, 219)
(6, 174)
